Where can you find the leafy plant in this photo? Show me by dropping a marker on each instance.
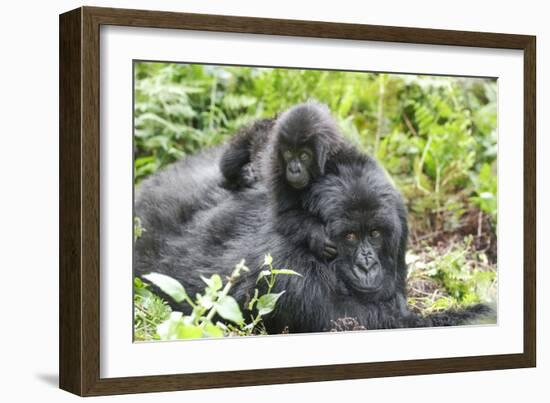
(149, 312)
(216, 301)
(485, 194)
(450, 277)
(138, 228)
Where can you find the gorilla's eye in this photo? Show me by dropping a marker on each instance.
(351, 237)
(304, 156)
(375, 233)
(287, 155)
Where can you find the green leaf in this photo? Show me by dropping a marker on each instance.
(267, 302)
(268, 260)
(486, 195)
(138, 283)
(142, 292)
(168, 285)
(168, 330)
(235, 102)
(138, 228)
(263, 274)
(286, 271)
(157, 142)
(189, 332)
(228, 309)
(211, 330)
(442, 303)
(214, 282)
(175, 328)
(205, 301)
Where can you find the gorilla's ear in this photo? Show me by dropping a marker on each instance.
(322, 155)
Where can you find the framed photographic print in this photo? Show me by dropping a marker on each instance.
(249, 201)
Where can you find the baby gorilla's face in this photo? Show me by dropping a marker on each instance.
(298, 164)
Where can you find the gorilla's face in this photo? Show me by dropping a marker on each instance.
(304, 135)
(366, 219)
(368, 242)
(361, 251)
(298, 165)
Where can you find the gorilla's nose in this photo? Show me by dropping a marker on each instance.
(368, 257)
(294, 169)
(367, 266)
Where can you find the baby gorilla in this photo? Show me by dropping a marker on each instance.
(302, 140)
(287, 156)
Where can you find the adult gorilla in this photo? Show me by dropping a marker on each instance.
(365, 216)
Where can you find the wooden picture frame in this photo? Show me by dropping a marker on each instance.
(79, 346)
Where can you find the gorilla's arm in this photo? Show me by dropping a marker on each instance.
(302, 228)
(240, 161)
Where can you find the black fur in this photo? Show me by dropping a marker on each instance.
(305, 125)
(220, 227)
(240, 162)
(256, 155)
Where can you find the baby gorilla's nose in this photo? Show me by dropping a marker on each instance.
(294, 169)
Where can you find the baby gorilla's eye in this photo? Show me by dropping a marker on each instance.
(304, 156)
(287, 155)
(375, 233)
(351, 237)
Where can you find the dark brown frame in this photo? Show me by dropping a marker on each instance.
(79, 200)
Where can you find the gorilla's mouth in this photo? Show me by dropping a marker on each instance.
(367, 279)
(298, 184)
(297, 179)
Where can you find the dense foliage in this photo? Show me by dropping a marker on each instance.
(215, 301)
(436, 137)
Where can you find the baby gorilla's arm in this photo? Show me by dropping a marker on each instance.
(300, 227)
(249, 175)
(234, 161)
(238, 163)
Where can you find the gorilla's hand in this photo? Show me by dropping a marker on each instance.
(329, 251)
(320, 244)
(248, 176)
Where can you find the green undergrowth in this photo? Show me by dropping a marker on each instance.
(211, 313)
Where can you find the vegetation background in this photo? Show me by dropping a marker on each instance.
(436, 137)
